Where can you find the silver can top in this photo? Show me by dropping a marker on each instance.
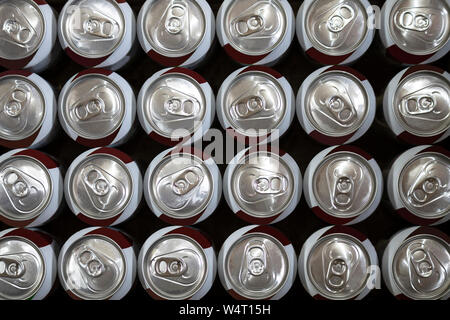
(22, 268)
(22, 108)
(93, 267)
(174, 101)
(92, 28)
(181, 185)
(26, 188)
(22, 28)
(336, 27)
(175, 267)
(93, 106)
(424, 185)
(338, 266)
(262, 184)
(254, 100)
(101, 186)
(257, 266)
(420, 26)
(174, 28)
(336, 103)
(255, 27)
(422, 103)
(421, 267)
(344, 184)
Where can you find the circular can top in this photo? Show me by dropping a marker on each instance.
(337, 266)
(22, 268)
(424, 185)
(93, 267)
(22, 30)
(92, 28)
(22, 107)
(336, 103)
(26, 188)
(421, 267)
(420, 26)
(336, 27)
(101, 186)
(93, 106)
(255, 27)
(175, 267)
(422, 103)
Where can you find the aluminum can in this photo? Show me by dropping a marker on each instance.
(255, 32)
(183, 186)
(177, 263)
(335, 32)
(28, 35)
(416, 264)
(257, 263)
(336, 105)
(418, 185)
(255, 104)
(176, 33)
(338, 263)
(28, 264)
(262, 186)
(415, 31)
(103, 187)
(416, 105)
(176, 106)
(97, 263)
(97, 108)
(31, 188)
(343, 185)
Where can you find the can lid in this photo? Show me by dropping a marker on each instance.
(336, 103)
(338, 266)
(344, 184)
(422, 103)
(420, 26)
(336, 27)
(23, 28)
(92, 28)
(421, 267)
(22, 268)
(93, 106)
(255, 27)
(424, 185)
(174, 28)
(93, 267)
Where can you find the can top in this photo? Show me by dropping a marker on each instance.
(344, 184)
(22, 268)
(101, 186)
(175, 267)
(424, 185)
(92, 28)
(174, 105)
(421, 266)
(174, 28)
(255, 27)
(336, 103)
(93, 106)
(181, 185)
(422, 103)
(254, 101)
(93, 267)
(262, 184)
(336, 27)
(23, 28)
(420, 26)
(338, 266)
(26, 188)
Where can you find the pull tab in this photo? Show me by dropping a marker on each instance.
(414, 20)
(19, 270)
(173, 31)
(249, 25)
(430, 103)
(257, 184)
(14, 108)
(340, 18)
(11, 268)
(17, 29)
(180, 107)
(427, 24)
(255, 269)
(176, 105)
(176, 18)
(339, 260)
(248, 107)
